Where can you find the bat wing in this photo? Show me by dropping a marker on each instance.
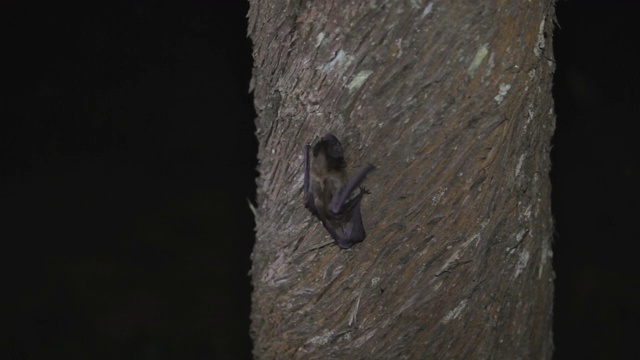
(347, 228)
(339, 201)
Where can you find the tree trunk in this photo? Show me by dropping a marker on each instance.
(452, 103)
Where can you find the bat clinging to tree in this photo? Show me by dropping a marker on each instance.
(327, 190)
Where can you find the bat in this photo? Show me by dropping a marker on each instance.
(327, 191)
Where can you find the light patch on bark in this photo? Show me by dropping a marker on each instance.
(527, 213)
(453, 314)
(359, 79)
(398, 47)
(427, 9)
(354, 312)
(341, 60)
(477, 59)
(540, 44)
(545, 254)
(520, 235)
(522, 262)
(504, 89)
(319, 39)
(438, 196)
(456, 255)
(477, 237)
(321, 339)
(519, 165)
(363, 339)
(490, 64)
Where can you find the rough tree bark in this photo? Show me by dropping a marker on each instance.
(451, 100)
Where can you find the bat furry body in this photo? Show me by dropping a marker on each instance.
(327, 191)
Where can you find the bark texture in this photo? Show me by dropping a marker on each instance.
(451, 100)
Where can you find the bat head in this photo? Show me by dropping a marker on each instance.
(329, 146)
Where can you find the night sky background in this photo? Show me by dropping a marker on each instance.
(128, 159)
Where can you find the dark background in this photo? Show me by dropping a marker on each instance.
(128, 159)
(595, 178)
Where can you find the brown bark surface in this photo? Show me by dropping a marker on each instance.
(451, 100)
